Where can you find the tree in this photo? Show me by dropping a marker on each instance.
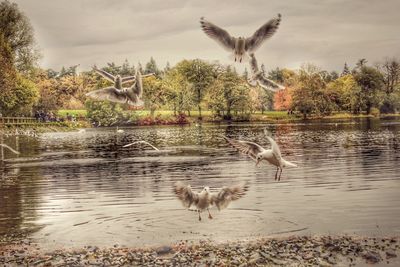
(8, 77)
(179, 92)
(391, 74)
(200, 74)
(151, 67)
(361, 63)
(18, 33)
(345, 93)
(309, 95)
(283, 99)
(370, 81)
(346, 70)
(127, 69)
(26, 95)
(229, 93)
(104, 113)
(154, 94)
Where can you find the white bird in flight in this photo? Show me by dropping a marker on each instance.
(205, 199)
(240, 46)
(141, 142)
(128, 95)
(10, 148)
(258, 153)
(117, 79)
(259, 78)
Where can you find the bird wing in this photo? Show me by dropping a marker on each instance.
(141, 142)
(252, 82)
(253, 63)
(10, 148)
(138, 86)
(218, 34)
(185, 194)
(269, 84)
(109, 93)
(106, 75)
(128, 79)
(228, 194)
(275, 148)
(263, 33)
(249, 148)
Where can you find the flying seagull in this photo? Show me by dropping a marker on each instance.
(205, 199)
(240, 46)
(258, 153)
(117, 80)
(131, 95)
(259, 78)
(9, 148)
(141, 142)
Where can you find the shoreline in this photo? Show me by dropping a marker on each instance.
(70, 126)
(278, 251)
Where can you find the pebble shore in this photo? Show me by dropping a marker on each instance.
(287, 251)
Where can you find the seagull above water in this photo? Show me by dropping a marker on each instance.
(10, 148)
(259, 78)
(130, 95)
(205, 199)
(258, 153)
(141, 142)
(240, 46)
(117, 80)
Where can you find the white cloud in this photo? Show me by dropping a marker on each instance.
(326, 32)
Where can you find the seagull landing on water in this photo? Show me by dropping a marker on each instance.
(141, 142)
(258, 153)
(129, 95)
(205, 199)
(259, 78)
(240, 46)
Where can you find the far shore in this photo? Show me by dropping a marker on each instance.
(168, 118)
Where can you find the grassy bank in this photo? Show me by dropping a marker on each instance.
(208, 116)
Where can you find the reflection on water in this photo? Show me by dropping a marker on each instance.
(85, 188)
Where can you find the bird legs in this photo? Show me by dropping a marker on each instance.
(280, 173)
(209, 214)
(199, 215)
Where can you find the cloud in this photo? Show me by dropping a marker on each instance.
(326, 32)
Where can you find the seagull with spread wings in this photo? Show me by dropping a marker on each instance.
(259, 78)
(130, 95)
(117, 79)
(205, 199)
(258, 153)
(142, 142)
(9, 148)
(240, 46)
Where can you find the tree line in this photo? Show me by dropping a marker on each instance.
(187, 86)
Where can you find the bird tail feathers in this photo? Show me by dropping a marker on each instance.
(289, 164)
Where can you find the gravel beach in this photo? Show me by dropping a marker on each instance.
(288, 251)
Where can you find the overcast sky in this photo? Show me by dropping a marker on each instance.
(324, 32)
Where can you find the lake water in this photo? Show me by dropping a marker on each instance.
(73, 189)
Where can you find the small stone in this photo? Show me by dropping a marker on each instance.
(372, 257)
(390, 254)
(164, 250)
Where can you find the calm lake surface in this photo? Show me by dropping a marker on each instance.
(73, 189)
